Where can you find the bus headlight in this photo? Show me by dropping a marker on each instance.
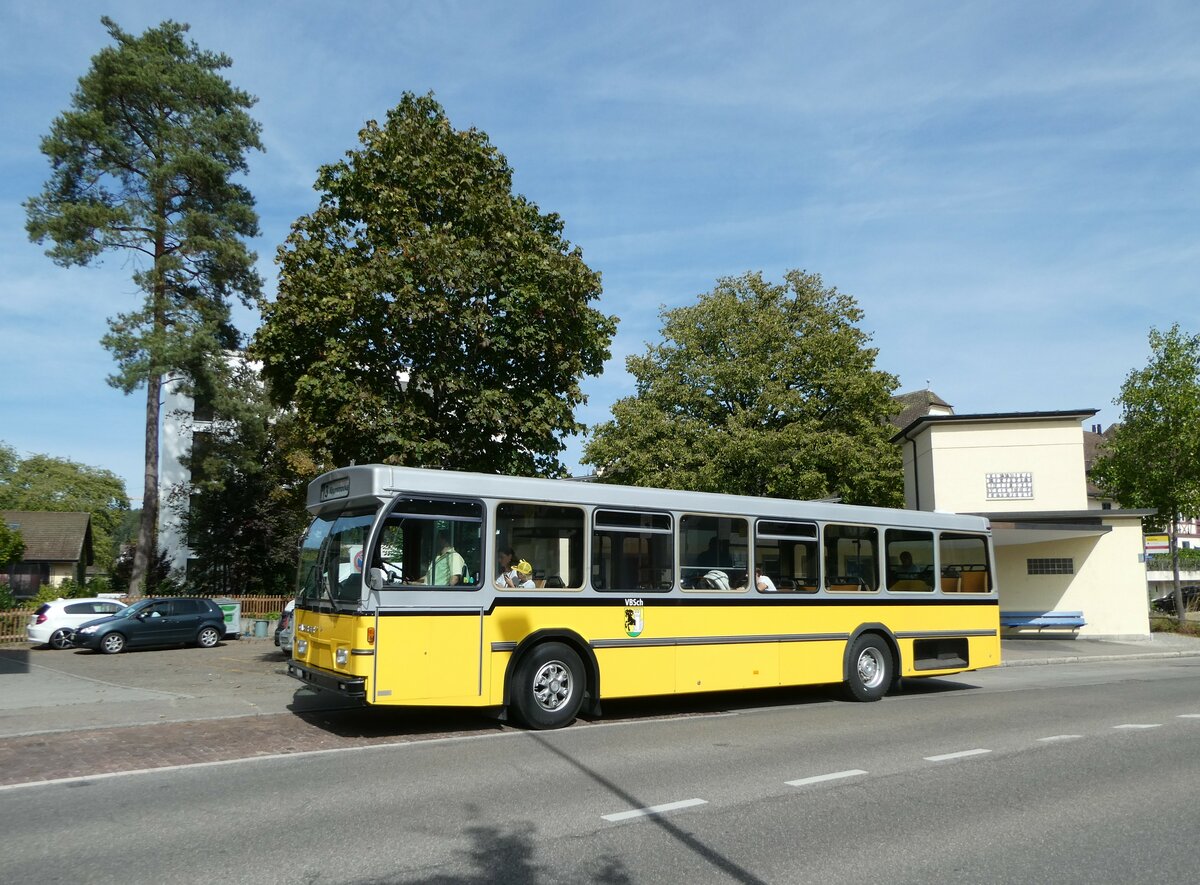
(341, 656)
(301, 647)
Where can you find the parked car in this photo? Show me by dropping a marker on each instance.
(1166, 602)
(53, 622)
(156, 621)
(283, 629)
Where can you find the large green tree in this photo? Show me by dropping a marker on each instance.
(426, 314)
(145, 163)
(41, 482)
(759, 388)
(1152, 457)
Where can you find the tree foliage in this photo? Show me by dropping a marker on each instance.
(12, 546)
(244, 506)
(428, 316)
(757, 389)
(1152, 458)
(145, 163)
(41, 482)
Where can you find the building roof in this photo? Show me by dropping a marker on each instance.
(990, 418)
(917, 403)
(52, 537)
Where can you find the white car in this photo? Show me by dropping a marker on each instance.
(283, 630)
(53, 622)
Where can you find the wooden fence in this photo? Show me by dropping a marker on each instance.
(12, 622)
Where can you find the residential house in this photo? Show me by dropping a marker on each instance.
(57, 546)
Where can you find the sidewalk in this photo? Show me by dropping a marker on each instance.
(1035, 651)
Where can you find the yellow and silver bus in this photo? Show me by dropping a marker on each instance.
(540, 598)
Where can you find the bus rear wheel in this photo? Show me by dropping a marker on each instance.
(548, 685)
(871, 668)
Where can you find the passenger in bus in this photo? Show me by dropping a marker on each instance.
(524, 575)
(764, 582)
(448, 567)
(908, 572)
(505, 560)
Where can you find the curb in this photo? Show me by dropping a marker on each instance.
(1087, 659)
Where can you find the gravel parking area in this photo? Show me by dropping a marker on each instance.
(72, 714)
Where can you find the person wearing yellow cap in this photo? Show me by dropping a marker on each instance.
(524, 575)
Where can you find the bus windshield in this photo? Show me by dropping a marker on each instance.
(331, 557)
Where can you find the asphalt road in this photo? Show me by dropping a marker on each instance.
(1082, 773)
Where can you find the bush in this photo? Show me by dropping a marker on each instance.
(68, 589)
(1160, 623)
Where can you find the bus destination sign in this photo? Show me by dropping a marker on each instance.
(335, 488)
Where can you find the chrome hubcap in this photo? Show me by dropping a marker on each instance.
(552, 686)
(870, 667)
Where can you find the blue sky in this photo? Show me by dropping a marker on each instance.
(1009, 189)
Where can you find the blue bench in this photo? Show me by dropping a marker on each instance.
(1040, 620)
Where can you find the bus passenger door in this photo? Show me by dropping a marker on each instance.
(429, 658)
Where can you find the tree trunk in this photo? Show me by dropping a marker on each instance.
(147, 543)
(1180, 612)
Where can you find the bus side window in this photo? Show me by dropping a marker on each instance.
(632, 550)
(787, 554)
(909, 558)
(964, 563)
(547, 536)
(851, 554)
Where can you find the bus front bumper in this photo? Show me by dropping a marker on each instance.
(354, 687)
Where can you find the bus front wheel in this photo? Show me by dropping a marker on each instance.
(870, 668)
(547, 690)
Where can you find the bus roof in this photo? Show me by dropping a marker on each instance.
(376, 481)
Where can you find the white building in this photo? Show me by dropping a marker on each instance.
(1055, 549)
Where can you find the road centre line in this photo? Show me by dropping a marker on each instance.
(1061, 737)
(961, 754)
(821, 778)
(653, 809)
(1189, 716)
(1140, 725)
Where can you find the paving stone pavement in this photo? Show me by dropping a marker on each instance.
(78, 714)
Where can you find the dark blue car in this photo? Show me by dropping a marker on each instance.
(156, 621)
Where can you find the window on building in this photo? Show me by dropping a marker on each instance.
(1050, 566)
(202, 404)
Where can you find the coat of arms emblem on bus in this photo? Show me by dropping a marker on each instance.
(633, 622)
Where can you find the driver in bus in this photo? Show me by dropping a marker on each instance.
(447, 568)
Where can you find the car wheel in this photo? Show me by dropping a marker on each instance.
(112, 643)
(548, 687)
(60, 638)
(870, 669)
(208, 637)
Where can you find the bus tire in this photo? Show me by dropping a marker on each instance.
(871, 667)
(548, 686)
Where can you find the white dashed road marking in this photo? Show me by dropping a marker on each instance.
(1139, 725)
(1061, 737)
(945, 757)
(653, 809)
(820, 778)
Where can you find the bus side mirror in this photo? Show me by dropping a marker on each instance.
(375, 578)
